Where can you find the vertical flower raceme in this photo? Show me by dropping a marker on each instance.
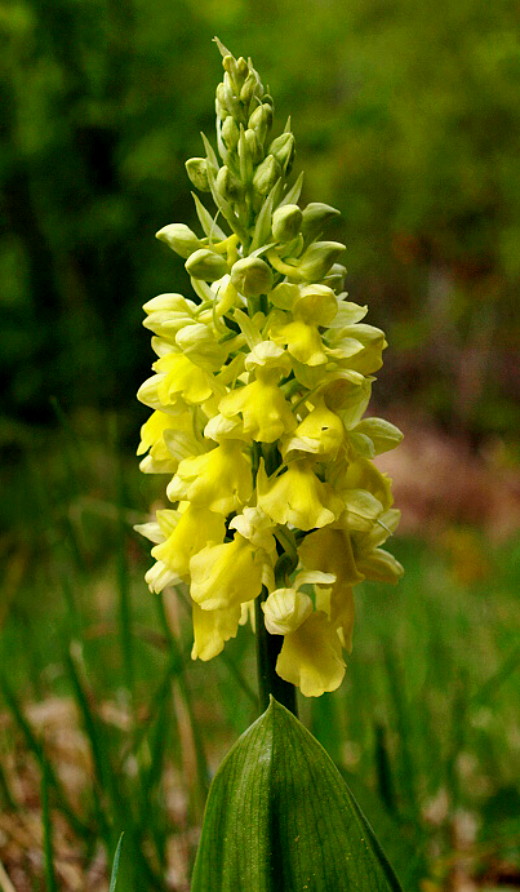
(259, 391)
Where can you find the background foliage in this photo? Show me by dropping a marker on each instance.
(406, 117)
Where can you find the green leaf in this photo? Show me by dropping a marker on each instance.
(293, 195)
(115, 866)
(210, 154)
(263, 221)
(208, 223)
(280, 816)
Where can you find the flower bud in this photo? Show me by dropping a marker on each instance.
(221, 94)
(199, 340)
(197, 170)
(179, 238)
(242, 67)
(206, 265)
(230, 133)
(250, 86)
(318, 259)
(283, 150)
(227, 185)
(246, 157)
(226, 97)
(228, 85)
(221, 112)
(335, 277)
(315, 217)
(229, 64)
(251, 276)
(254, 148)
(266, 175)
(286, 222)
(261, 121)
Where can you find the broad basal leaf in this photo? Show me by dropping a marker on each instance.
(280, 817)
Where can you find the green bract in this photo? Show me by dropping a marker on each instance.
(259, 389)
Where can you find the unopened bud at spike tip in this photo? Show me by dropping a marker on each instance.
(318, 259)
(253, 146)
(316, 216)
(283, 150)
(335, 277)
(286, 222)
(179, 238)
(206, 265)
(229, 64)
(230, 133)
(266, 175)
(197, 170)
(227, 185)
(251, 276)
(261, 121)
(242, 67)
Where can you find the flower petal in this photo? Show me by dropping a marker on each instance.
(311, 658)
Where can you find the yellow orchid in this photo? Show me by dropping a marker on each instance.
(261, 384)
(266, 414)
(253, 524)
(220, 479)
(211, 630)
(228, 574)
(195, 527)
(179, 376)
(311, 657)
(167, 439)
(298, 497)
(285, 610)
(321, 433)
(302, 340)
(160, 459)
(167, 314)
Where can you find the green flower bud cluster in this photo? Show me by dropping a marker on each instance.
(259, 390)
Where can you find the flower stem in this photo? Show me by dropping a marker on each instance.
(267, 649)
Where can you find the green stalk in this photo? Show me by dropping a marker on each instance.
(267, 649)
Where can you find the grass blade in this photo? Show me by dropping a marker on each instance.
(35, 746)
(115, 866)
(5, 883)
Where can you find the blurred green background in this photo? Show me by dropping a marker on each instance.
(407, 118)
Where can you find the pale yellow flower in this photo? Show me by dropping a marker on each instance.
(211, 629)
(220, 479)
(228, 574)
(158, 436)
(179, 376)
(321, 433)
(265, 413)
(260, 389)
(311, 657)
(285, 610)
(298, 497)
(195, 527)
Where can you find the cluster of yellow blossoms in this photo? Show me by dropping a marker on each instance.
(260, 387)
